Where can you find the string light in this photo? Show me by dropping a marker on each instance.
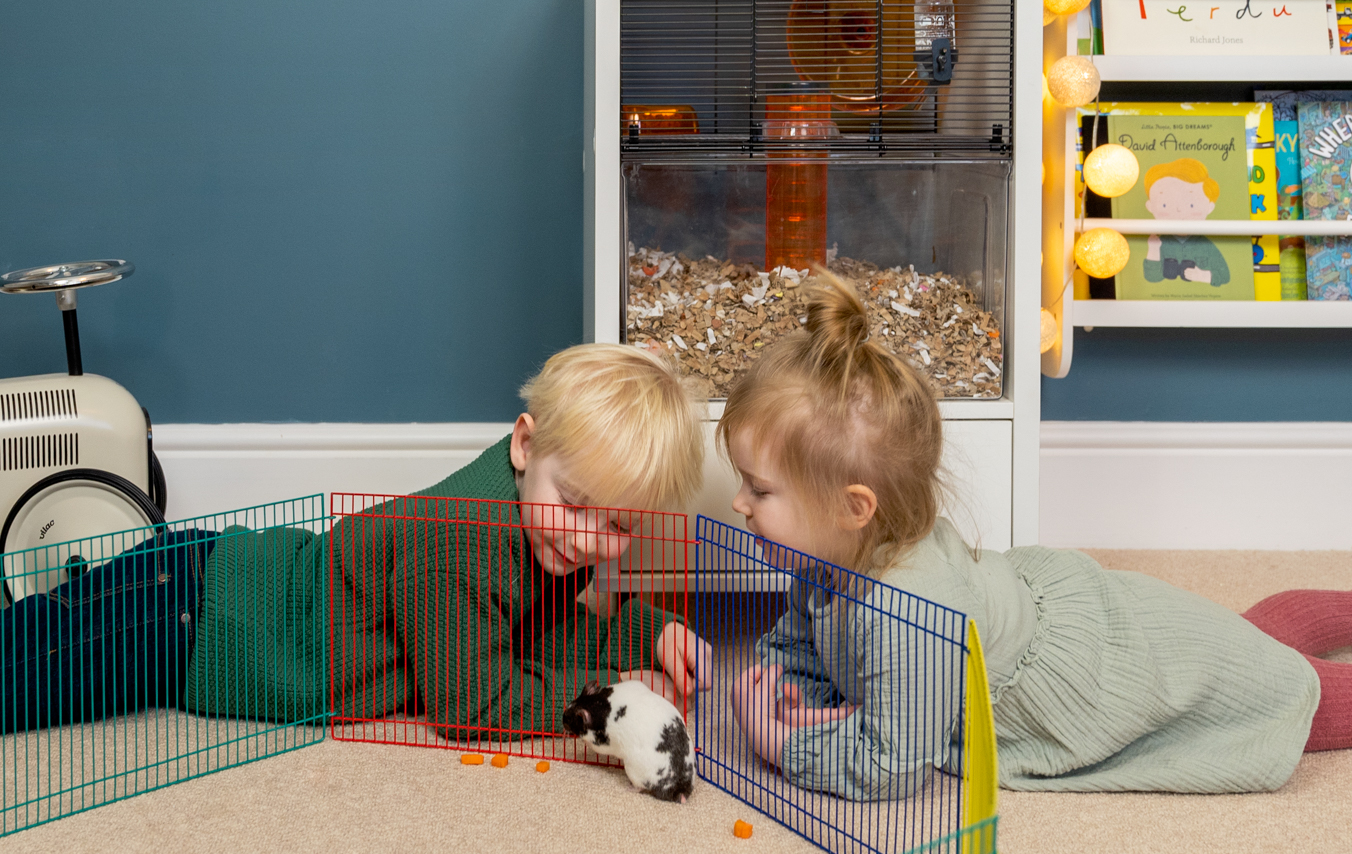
(1064, 7)
(1111, 170)
(1049, 332)
(1047, 16)
(1073, 81)
(1102, 252)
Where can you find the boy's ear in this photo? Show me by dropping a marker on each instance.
(860, 505)
(521, 436)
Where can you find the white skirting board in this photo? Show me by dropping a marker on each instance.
(1152, 485)
(1103, 484)
(211, 468)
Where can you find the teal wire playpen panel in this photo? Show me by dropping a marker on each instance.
(102, 697)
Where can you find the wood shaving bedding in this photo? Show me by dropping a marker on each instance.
(715, 317)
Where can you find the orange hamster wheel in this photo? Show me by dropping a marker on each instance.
(867, 63)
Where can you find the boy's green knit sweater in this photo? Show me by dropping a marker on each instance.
(437, 607)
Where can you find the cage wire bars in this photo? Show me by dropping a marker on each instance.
(100, 702)
(438, 608)
(912, 768)
(438, 632)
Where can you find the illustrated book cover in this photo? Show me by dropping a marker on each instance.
(1216, 28)
(1227, 150)
(1326, 190)
(1289, 201)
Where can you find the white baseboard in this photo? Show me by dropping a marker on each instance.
(1142, 485)
(214, 467)
(1150, 485)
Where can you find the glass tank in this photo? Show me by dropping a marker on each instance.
(721, 252)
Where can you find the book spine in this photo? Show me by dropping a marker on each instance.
(1291, 251)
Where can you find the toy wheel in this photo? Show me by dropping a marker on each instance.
(79, 274)
(62, 511)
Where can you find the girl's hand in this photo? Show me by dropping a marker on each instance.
(686, 659)
(658, 682)
(794, 714)
(753, 707)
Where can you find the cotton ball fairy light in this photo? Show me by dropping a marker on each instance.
(1110, 170)
(1073, 81)
(1049, 332)
(1047, 16)
(1102, 252)
(1064, 7)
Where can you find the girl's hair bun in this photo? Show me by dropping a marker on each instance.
(836, 315)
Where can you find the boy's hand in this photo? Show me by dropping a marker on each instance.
(1152, 247)
(794, 714)
(686, 659)
(753, 707)
(657, 681)
(1197, 274)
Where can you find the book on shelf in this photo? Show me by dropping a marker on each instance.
(1325, 132)
(1198, 161)
(1340, 26)
(1217, 28)
(1089, 26)
(1289, 200)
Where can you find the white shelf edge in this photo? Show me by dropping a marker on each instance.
(1239, 69)
(1294, 314)
(1224, 227)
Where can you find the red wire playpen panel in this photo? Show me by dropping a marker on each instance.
(469, 624)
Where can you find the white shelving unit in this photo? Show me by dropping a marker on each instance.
(1211, 313)
(992, 446)
(1268, 69)
(1060, 227)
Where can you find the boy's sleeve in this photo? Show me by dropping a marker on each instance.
(911, 691)
(1215, 262)
(631, 637)
(461, 650)
(789, 645)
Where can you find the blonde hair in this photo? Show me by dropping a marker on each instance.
(625, 422)
(836, 409)
(1184, 169)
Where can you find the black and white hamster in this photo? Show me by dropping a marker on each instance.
(630, 722)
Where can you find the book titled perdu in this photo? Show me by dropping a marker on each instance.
(1216, 28)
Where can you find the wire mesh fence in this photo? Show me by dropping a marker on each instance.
(860, 704)
(120, 657)
(471, 624)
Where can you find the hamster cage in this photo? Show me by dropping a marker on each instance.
(736, 147)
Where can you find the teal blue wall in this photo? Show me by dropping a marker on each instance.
(370, 211)
(1205, 375)
(339, 210)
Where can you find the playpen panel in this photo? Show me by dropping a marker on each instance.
(474, 646)
(897, 784)
(96, 639)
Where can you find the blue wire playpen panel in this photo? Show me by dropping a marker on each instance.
(887, 777)
(96, 644)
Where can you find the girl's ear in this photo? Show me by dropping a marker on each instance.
(860, 505)
(521, 436)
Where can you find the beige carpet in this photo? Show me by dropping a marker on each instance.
(337, 796)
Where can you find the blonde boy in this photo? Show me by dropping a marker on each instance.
(471, 618)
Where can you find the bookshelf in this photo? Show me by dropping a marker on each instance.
(1060, 226)
(1269, 69)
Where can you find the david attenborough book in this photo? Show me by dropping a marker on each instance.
(1193, 167)
(1325, 131)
